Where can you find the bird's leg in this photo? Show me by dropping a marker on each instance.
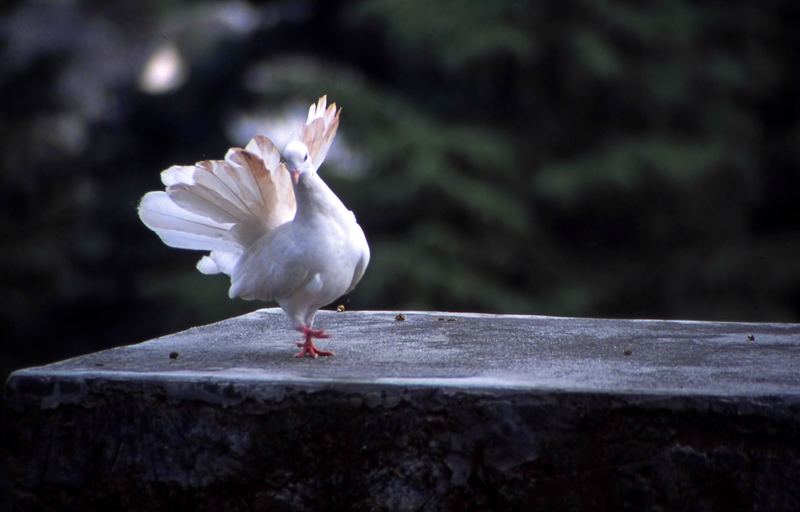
(307, 347)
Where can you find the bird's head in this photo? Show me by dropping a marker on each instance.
(297, 160)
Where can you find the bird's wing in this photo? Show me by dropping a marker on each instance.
(272, 268)
(320, 130)
(237, 201)
(357, 236)
(358, 272)
(184, 229)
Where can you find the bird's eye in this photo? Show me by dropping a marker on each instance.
(283, 160)
(306, 157)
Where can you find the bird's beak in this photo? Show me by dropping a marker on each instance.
(295, 176)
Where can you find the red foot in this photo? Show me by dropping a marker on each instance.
(307, 347)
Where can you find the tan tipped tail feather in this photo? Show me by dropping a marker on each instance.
(320, 130)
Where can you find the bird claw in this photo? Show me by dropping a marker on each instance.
(307, 347)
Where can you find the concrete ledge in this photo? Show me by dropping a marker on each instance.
(439, 411)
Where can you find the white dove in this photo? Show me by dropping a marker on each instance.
(271, 224)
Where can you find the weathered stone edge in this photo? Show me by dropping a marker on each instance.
(26, 389)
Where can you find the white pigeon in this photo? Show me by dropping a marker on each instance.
(270, 223)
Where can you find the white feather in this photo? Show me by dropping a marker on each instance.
(204, 202)
(218, 262)
(221, 193)
(229, 181)
(266, 150)
(240, 190)
(178, 174)
(244, 179)
(206, 265)
(183, 229)
(320, 130)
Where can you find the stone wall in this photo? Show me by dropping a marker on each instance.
(433, 412)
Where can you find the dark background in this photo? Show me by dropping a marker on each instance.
(625, 159)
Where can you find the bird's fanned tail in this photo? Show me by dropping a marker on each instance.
(320, 129)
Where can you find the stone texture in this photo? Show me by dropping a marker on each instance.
(439, 411)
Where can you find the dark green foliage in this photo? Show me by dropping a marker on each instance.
(573, 158)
